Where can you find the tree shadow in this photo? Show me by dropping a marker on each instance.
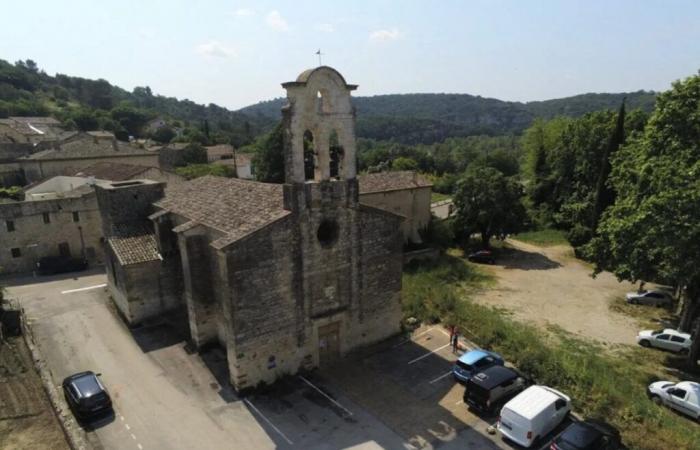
(513, 258)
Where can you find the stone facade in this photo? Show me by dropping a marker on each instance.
(404, 193)
(31, 230)
(284, 277)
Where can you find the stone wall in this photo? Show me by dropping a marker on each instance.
(284, 284)
(36, 239)
(413, 204)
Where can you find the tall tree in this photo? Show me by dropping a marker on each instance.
(605, 195)
(652, 231)
(488, 203)
(269, 157)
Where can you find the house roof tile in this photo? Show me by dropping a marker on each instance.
(232, 206)
(134, 244)
(391, 181)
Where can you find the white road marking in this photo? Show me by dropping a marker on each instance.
(122, 418)
(132, 436)
(441, 377)
(459, 402)
(412, 338)
(139, 446)
(127, 426)
(97, 286)
(247, 402)
(326, 395)
(428, 354)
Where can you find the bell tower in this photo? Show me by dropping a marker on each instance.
(319, 141)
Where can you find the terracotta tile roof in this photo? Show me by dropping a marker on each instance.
(134, 244)
(112, 171)
(391, 181)
(87, 147)
(232, 206)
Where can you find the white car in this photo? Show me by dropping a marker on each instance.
(668, 339)
(684, 397)
(532, 414)
(653, 298)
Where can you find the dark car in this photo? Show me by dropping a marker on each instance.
(482, 256)
(51, 265)
(86, 395)
(486, 390)
(587, 435)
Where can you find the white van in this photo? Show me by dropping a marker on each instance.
(532, 414)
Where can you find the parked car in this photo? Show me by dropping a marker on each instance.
(652, 297)
(668, 339)
(587, 435)
(533, 414)
(86, 396)
(492, 387)
(684, 397)
(51, 265)
(475, 361)
(482, 256)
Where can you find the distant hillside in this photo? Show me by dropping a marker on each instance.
(81, 103)
(426, 118)
(86, 104)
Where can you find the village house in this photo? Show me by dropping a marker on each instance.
(405, 193)
(284, 277)
(69, 156)
(242, 163)
(30, 130)
(114, 171)
(57, 218)
(219, 152)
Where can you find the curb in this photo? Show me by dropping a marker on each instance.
(74, 434)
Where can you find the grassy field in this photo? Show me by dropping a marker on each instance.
(437, 197)
(543, 238)
(604, 386)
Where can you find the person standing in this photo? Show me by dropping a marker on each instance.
(455, 341)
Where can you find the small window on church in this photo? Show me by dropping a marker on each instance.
(309, 156)
(327, 233)
(337, 154)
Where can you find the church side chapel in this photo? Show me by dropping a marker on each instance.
(284, 277)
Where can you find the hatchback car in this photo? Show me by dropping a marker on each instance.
(653, 298)
(86, 395)
(482, 256)
(668, 339)
(473, 362)
(587, 435)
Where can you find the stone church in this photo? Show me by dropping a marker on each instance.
(284, 277)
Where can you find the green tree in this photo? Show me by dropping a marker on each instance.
(605, 195)
(269, 157)
(403, 163)
(164, 134)
(199, 170)
(130, 118)
(652, 231)
(488, 203)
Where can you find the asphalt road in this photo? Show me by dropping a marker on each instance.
(398, 395)
(166, 398)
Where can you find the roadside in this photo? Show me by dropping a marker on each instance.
(27, 419)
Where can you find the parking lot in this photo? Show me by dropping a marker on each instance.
(398, 395)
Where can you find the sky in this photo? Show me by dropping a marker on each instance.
(236, 53)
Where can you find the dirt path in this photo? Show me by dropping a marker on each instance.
(547, 285)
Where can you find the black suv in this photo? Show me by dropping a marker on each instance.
(86, 396)
(587, 435)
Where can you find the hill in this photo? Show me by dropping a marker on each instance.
(84, 104)
(426, 118)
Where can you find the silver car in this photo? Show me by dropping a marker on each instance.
(653, 298)
(668, 339)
